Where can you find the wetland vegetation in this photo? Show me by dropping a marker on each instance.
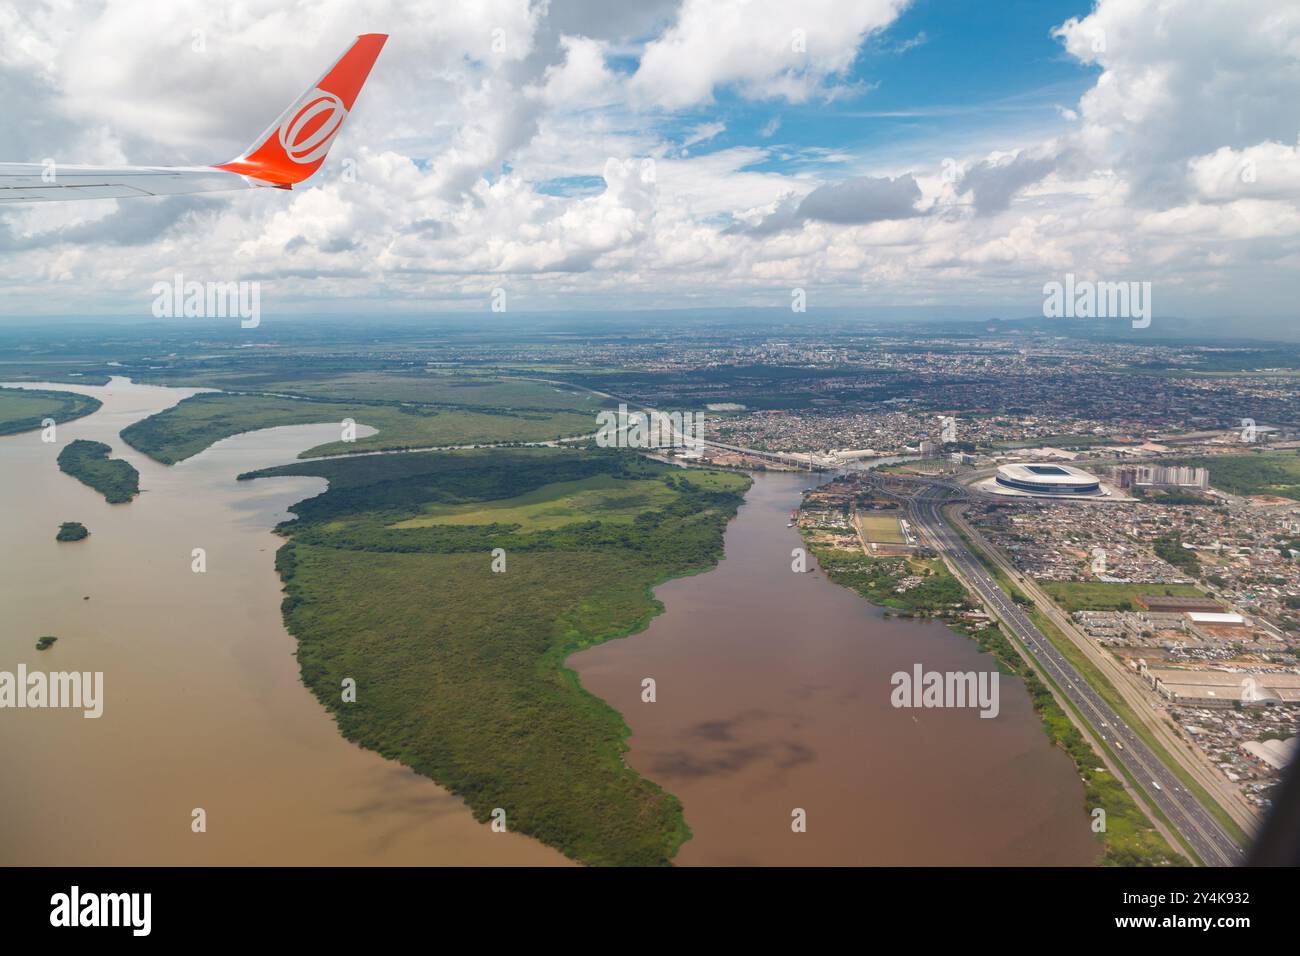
(458, 652)
(88, 462)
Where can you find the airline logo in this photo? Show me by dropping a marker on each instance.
(287, 152)
(295, 145)
(307, 134)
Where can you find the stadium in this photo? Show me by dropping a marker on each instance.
(1048, 480)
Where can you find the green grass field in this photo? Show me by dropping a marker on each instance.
(881, 527)
(600, 498)
(1109, 596)
(188, 428)
(460, 671)
(23, 409)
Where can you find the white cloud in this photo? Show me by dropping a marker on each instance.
(583, 79)
(458, 147)
(765, 49)
(703, 133)
(1265, 170)
(1182, 78)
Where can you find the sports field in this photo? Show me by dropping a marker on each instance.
(881, 527)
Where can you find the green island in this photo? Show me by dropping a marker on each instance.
(427, 412)
(88, 462)
(23, 409)
(72, 531)
(1130, 839)
(44, 643)
(460, 670)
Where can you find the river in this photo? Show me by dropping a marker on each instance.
(203, 704)
(772, 695)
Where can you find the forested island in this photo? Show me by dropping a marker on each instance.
(72, 531)
(88, 462)
(452, 587)
(425, 412)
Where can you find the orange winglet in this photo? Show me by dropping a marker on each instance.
(295, 145)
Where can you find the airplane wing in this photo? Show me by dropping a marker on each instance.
(287, 153)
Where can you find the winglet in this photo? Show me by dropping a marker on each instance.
(294, 146)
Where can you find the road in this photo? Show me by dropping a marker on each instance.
(1134, 690)
(925, 499)
(1201, 831)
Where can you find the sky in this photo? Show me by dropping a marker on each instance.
(599, 155)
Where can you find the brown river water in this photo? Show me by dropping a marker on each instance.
(773, 693)
(203, 705)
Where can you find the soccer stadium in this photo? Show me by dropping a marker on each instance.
(1048, 480)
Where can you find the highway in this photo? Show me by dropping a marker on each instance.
(1201, 831)
(925, 499)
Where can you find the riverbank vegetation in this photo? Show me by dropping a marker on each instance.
(88, 462)
(191, 426)
(23, 409)
(917, 586)
(459, 668)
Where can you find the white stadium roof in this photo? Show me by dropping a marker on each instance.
(1045, 474)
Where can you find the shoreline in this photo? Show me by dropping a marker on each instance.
(1056, 724)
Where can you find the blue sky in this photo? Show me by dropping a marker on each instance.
(677, 153)
(959, 72)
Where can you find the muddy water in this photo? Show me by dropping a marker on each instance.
(773, 694)
(203, 706)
